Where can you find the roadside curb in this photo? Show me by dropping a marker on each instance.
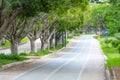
(107, 72)
(31, 58)
(110, 74)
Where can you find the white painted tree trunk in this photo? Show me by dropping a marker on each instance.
(14, 47)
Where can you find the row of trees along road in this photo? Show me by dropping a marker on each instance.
(106, 16)
(44, 19)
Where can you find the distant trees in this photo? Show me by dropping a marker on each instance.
(107, 17)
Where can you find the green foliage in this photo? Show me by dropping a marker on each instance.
(7, 44)
(119, 48)
(115, 43)
(4, 62)
(112, 53)
(69, 37)
(15, 3)
(107, 16)
(40, 53)
(71, 20)
(112, 62)
(108, 41)
(12, 57)
(24, 40)
(30, 7)
(23, 54)
(56, 48)
(117, 35)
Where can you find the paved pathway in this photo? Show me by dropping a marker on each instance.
(82, 59)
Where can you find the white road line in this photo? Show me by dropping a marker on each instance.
(84, 65)
(63, 64)
(61, 67)
(21, 75)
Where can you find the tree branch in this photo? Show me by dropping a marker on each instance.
(7, 22)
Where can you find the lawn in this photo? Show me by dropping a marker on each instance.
(113, 56)
(7, 44)
(5, 61)
(56, 48)
(10, 58)
(40, 53)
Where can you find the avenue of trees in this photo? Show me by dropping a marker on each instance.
(43, 19)
(106, 16)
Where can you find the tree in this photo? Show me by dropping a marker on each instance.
(18, 30)
(47, 31)
(35, 32)
(107, 17)
(10, 9)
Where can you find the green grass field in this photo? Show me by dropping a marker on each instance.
(10, 58)
(40, 53)
(113, 56)
(7, 44)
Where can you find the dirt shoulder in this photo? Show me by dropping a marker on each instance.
(115, 73)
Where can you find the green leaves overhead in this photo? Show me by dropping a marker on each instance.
(30, 7)
(72, 19)
(107, 15)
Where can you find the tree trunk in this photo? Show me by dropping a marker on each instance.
(14, 47)
(51, 42)
(32, 43)
(42, 44)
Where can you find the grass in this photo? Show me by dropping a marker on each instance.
(7, 44)
(4, 62)
(24, 40)
(68, 39)
(56, 48)
(40, 53)
(10, 58)
(77, 35)
(6, 59)
(113, 56)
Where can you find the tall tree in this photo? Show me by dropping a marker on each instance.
(10, 9)
(17, 31)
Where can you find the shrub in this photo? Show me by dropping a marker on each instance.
(12, 57)
(40, 53)
(117, 35)
(119, 48)
(108, 41)
(23, 54)
(115, 43)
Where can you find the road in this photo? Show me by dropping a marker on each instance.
(83, 61)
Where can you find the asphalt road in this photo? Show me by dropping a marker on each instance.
(83, 61)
